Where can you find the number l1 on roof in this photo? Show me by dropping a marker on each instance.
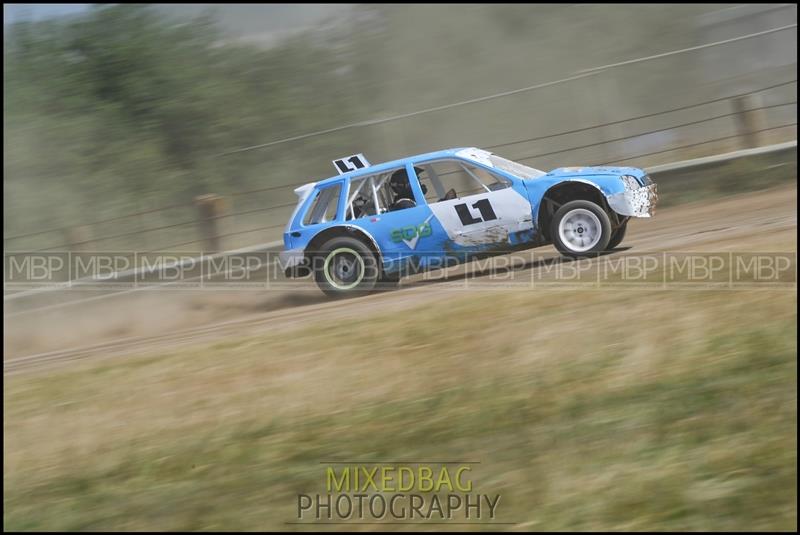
(350, 163)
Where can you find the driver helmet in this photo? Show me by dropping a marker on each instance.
(400, 184)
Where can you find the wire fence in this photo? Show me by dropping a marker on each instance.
(280, 211)
(646, 133)
(692, 145)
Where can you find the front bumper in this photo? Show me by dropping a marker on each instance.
(639, 202)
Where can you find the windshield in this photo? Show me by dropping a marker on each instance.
(516, 169)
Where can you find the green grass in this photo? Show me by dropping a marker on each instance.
(676, 410)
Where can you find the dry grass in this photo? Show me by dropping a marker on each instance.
(604, 409)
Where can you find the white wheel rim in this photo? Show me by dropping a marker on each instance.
(339, 271)
(580, 230)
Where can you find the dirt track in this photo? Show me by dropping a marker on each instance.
(145, 321)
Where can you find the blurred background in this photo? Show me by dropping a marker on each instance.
(119, 118)
(627, 406)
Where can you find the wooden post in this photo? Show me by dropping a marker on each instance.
(209, 208)
(749, 120)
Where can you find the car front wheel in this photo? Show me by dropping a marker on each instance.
(345, 266)
(617, 236)
(580, 228)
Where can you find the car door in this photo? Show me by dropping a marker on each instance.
(406, 236)
(487, 213)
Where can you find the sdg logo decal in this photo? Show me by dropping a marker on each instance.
(411, 234)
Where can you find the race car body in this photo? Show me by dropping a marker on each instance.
(373, 224)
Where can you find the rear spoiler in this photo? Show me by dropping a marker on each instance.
(304, 190)
(302, 194)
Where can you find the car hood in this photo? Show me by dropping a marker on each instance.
(594, 171)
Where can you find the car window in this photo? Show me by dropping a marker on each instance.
(452, 179)
(376, 194)
(325, 205)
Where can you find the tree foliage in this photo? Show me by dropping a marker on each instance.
(124, 108)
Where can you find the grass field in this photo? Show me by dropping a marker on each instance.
(603, 410)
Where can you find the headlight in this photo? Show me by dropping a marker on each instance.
(630, 182)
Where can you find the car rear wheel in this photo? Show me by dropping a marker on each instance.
(345, 266)
(580, 229)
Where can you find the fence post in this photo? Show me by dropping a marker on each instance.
(209, 209)
(749, 120)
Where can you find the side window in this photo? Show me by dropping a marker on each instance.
(376, 194)
(452, 179)
(325, 205)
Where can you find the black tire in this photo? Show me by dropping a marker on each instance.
(345, 266)
(581, 218)
(617, 236)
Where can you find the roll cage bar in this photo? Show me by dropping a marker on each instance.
(380, 197)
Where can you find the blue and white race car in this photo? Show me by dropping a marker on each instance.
(374, 223)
